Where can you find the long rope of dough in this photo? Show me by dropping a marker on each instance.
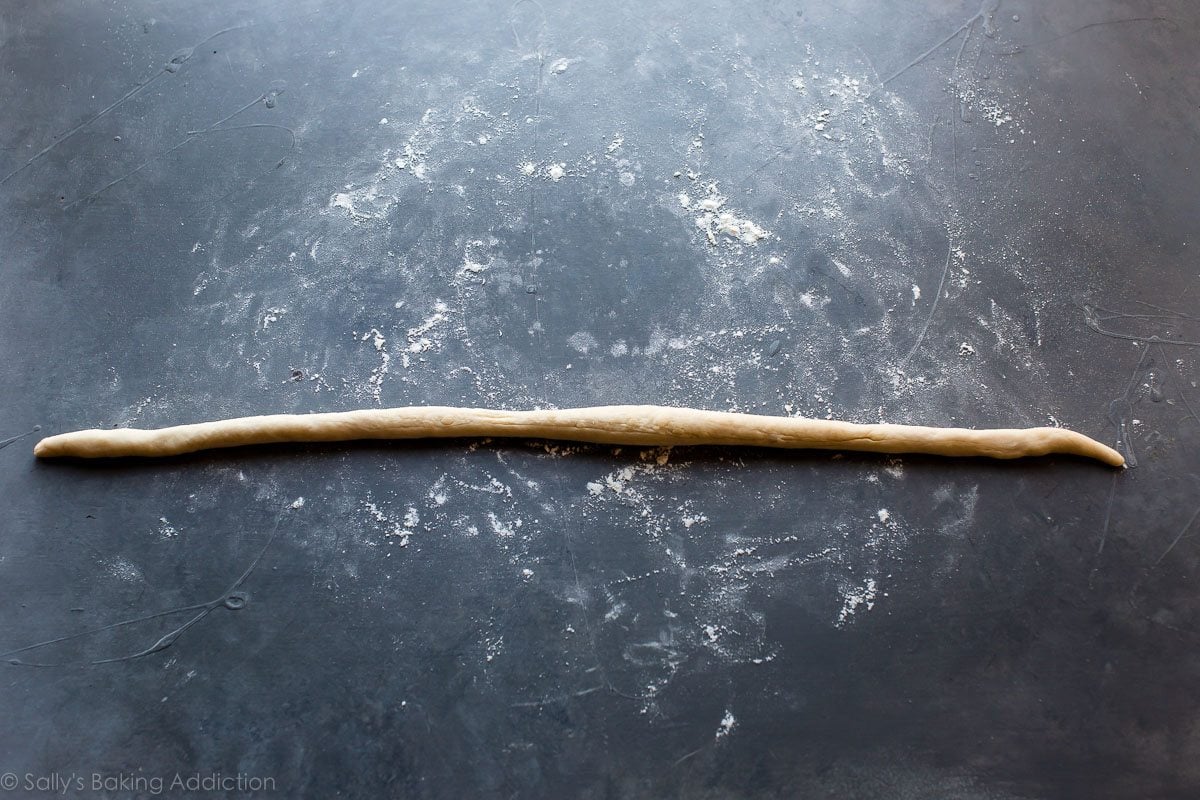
(631, 425)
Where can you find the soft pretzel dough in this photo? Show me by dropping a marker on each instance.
(633, 425)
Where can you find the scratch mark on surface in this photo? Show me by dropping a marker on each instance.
(1120, 411)
(1157, 619)
(231, 598)
(589, 630)
(265, 97)
(936, 297)
(932, 127)
(1187, 526)
(986, 9)
(1112, 493)
(172, 66)
(6, 442)
(1094, 315)
(1104, 23)
(982, 13)
(557, 699)
(529, 276)
(685, 757)
(513, 25)
(1171, 376)
(1022, 48)
(780, 150)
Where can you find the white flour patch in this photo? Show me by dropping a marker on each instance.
(501, 528)
(123, 569)
(271, 315)
(423, 337)
(726, 725)
(616, 481)
(993, 113)
(811, 300)
(375, 380)
(582, 342)
(721, 224)
(478, 255)
(856, 597)
(137, 409)
(345, 202)
(437, 492)
(414, 153)
(400, 530)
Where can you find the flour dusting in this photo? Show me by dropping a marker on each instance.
(726, 725)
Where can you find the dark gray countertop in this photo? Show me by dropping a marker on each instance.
(257, 207)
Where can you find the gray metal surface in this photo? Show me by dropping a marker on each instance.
(789, 208)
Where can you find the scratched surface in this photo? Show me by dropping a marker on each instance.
(931, 212)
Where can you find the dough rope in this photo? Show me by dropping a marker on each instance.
(629, 425)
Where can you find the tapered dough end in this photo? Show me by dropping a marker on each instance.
(1090, 448)
(79, 444)
(48, 447)
(1101, 452)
